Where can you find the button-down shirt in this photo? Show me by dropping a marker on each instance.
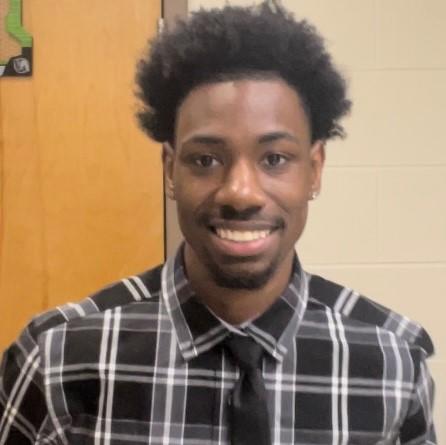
(141, 362)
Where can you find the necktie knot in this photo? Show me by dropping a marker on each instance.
(245, 352)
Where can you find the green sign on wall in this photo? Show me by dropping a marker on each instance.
(15, 43)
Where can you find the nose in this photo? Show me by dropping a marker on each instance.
(241, 187)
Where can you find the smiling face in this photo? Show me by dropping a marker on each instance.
(242, 172)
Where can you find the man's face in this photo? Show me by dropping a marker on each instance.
(242, 172)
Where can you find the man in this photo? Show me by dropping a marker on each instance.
(230, 341)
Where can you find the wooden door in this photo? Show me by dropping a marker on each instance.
(81, 186)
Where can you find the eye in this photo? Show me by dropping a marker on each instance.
(274, 160)
(205, 161)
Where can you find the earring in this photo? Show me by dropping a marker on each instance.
(313, 195)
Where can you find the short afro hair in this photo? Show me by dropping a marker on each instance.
(236, 43)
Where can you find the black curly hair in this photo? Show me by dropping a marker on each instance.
(234, 43)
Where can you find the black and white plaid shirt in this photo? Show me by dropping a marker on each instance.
(141, 362)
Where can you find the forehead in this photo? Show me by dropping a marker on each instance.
(242, 108)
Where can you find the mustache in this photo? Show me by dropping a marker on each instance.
(229, 213)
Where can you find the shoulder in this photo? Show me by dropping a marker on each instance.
(360, 309)
(73, 327)
(119, 295)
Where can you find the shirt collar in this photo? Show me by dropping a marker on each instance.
(198, 330)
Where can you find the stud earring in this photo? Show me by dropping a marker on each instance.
(313, 195)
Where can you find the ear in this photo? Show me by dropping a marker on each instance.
(317, 156)
(168, 156)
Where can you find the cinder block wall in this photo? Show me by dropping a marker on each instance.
(380, 224)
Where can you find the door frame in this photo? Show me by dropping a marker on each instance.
(172, 10)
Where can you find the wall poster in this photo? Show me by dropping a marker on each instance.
(15, 42)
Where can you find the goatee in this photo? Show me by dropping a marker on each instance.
(242, 280)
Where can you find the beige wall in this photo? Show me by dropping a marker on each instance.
(380, 223)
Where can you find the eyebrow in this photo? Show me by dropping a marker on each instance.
(277, 135)
(264, 139)
(204, 139)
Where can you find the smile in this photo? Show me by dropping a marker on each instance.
(241, 236)
(241, 241)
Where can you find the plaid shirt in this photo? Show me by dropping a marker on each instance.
(141, 362)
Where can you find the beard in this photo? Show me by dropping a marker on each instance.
(248, 280)
(233, 277)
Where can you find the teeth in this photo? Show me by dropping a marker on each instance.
(242, 236)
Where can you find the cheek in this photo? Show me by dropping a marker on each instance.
(293, 202)
(290, 196)
(192, 192)
(296, 224)
(298, 217)
(293, 187)
(191, 201)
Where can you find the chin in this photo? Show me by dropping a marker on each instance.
(249, 280)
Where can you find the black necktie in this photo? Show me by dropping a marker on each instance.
(248, 412)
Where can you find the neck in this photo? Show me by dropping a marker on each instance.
(236, 306)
